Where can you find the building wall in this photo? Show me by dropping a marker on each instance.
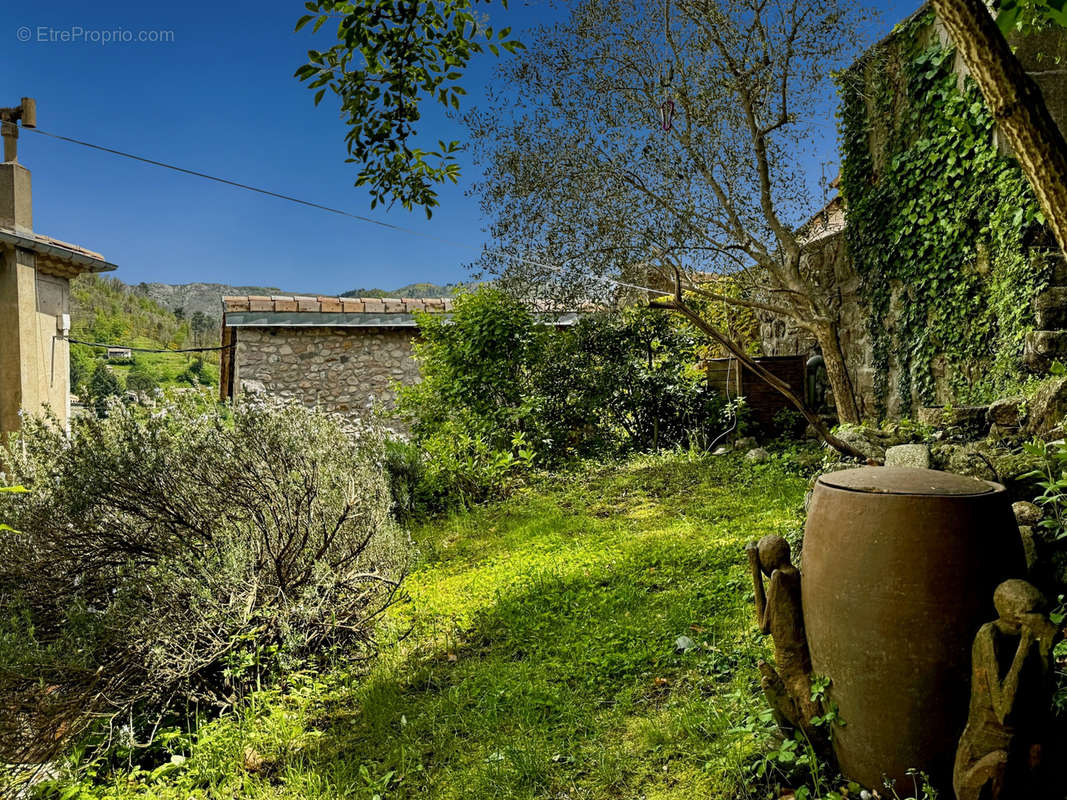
(34, 360)
(342, 369)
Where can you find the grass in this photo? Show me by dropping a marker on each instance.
(535, 658)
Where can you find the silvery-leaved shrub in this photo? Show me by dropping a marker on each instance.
(165, 560)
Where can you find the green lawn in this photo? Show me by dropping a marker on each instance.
(535, 658)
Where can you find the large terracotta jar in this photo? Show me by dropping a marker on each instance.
(899, 567)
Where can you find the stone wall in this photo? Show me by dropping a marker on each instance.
(828, 259)
(344, 369)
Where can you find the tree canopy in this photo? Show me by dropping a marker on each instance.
(392, 56)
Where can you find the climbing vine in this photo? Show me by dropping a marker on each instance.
(940, 225)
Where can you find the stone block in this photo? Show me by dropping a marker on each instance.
(908, 455)
(1007, 412)
(1027, 513)
(1050, 308)
(1044, 347)
(1048, 406)
(258, 303)
(963, 421)
(330, 304)
(757, 455)
(350, 304)
(284, 303)
(373, 306)
(306, 303)
(393, 305)
(235, 303)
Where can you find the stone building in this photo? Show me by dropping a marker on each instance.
(827, 256)
(35, 273)
(336, 353)
(341, 354)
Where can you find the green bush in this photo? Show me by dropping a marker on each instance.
(82, 364)
(198, 374)
(169, 559)
(103, 384)
(141, 378)
(502, 391)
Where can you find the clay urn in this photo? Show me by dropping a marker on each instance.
(899, 566)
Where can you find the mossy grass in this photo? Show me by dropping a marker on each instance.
(536, 657)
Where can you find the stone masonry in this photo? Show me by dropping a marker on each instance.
(339, 354)
(337, 369)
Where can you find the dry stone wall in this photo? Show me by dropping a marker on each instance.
(343, 369)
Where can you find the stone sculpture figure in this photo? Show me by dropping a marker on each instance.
(779, 613)
(1001, 754)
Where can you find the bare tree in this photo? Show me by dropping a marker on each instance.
(671, 135)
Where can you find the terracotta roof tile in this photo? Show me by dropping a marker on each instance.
(332, 305)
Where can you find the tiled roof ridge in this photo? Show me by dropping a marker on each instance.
(368, 305)
(320, 303)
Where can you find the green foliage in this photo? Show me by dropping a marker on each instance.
(535, 657)
(141, 377)
(103, 384)
(1028, 14)
(82, 364)
(501, 392)
(107, 310)
(171, 559)
(391, 56)
(198, 373)
(939, 224)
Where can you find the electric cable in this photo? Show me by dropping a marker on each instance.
(153, 350)
(360, 218)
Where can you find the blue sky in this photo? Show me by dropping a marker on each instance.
(220, 98)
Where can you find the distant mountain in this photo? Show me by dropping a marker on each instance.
(188, 298)
(411, 290)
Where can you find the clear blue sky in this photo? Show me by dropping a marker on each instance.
(220, 98)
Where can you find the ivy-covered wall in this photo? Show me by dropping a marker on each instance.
(942, 229)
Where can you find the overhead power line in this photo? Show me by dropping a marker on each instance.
(331, 209)
(153, 350)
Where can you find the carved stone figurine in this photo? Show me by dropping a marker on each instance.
(1001, 754)
(778, 612)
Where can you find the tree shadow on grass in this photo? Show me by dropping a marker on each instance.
(566, 682)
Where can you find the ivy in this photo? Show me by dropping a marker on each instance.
(940, 225)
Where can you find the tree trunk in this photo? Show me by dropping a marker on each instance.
(1016, 104)
(837, 374)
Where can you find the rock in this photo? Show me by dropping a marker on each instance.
(683, 644)
(757, 455)
(1027, 513)
(746, 443)
(908, 455)
(962, 424)
(1014, 471)
(1007, 412)
(721, 450)
(1048, 406)
(863, 440)
(964, 460)
(1050, 308)
(1041, 348)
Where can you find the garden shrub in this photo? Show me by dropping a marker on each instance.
(168, 559)
(502, 391)
(103, 384)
